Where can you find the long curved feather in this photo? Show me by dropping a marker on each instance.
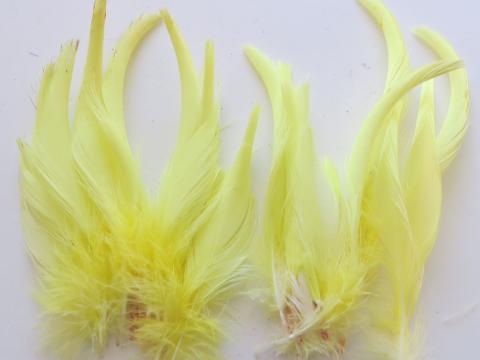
(316, 279)
(404, 210)
(315, 276)
(189, 255)
(401, 208)
(71, 220)
(455, 126)
(193, 174)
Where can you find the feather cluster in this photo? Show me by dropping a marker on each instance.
(113, 260)
(110, 258)
(330, 245)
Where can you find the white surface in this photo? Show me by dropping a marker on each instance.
(332, 44)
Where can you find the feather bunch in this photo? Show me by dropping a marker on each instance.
(110, 258)
(386, 215)
(158, 270)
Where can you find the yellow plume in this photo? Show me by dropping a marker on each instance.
(400, 204)
(192, 255)
(110, 259)
(315, 272)
(160, 269)
(319, 275)
(76, 184)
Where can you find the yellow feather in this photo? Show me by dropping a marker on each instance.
(160, 269)
(315, 274)
(318, 277)
(455, 125)
(79, 187)
(400, 205)
(403, 211)
(192, 253)
(111, 259)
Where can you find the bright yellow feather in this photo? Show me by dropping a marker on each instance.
(110, 258)
(386, 216)
(401, 203)
(158, 270)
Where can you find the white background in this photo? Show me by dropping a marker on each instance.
(332, 44)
